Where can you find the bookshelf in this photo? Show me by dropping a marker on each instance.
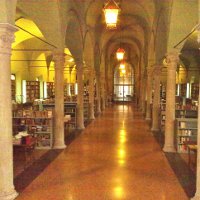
(183, 89)
(163, 91)
(50, 89)
(70, 108)
(186, 132)
(13, 89)
(32, 90)
(39, 126)
(195, 91)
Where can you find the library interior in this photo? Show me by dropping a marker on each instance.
(99, 99)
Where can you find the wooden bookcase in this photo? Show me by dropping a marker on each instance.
(32, 90)
(50, 89)
(186, 131)
(195, 91)
(13, 89)
(183, 89)
(39, 127)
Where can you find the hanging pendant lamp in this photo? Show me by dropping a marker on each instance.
(122, 65)
(120, 54)
(111, 11)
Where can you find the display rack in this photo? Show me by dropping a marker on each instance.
(186, 132)
(32, 90)
(39, 127)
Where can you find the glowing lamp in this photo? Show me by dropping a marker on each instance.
(111, 11)
(122, 65)
(120, 54)
(123, 71)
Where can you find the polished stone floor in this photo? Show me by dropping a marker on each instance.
(115, 157)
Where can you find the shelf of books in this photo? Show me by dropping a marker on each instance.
(195, 91)
(13, 89)
(50, 89)
(186, 132)
(38, 124)
(70, 108)
(32, 90)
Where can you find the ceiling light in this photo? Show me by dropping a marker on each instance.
(111, 11)
(120, 54)
(122, 65)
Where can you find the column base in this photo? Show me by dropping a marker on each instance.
(148, 119)
(11, 196)
(169, 149)
(59, 146)
(81, 127)
(92, 118)
(195, 198)
(155, 130)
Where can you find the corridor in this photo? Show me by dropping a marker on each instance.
(115, 157)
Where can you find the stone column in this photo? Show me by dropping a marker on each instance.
(59, 136)
(149, 93)
(7, 190)
(143, 96)
(171, 63)
(156, 98)
(103, 92)
(197, 194)
(98, 89)
(91, 94)
(80, 108)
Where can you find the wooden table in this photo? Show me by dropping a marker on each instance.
(192, 148)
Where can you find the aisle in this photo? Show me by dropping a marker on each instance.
(115, 157)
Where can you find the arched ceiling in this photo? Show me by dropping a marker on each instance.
(146, 28)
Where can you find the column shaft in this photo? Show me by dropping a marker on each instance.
(149, 94)
(80, 108)
(91, 94)
(7, 191)
(103, 92)
(156, 99)
(197, 194)
(172, 61)
(59, 137)
(98, 88)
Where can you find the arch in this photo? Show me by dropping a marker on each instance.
(74, 36)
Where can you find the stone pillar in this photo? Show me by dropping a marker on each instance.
(7, 190)
(91, 94)
(80, 108)
(59, 136)
(103, 92)
(143, 96)
(171, 63)
(98, 89)
(149, 93)
(156, 99)
(197, 194)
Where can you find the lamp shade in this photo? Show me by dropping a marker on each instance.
(120, 54)
(111, 11)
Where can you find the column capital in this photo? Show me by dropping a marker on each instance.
(6, 37)
(59, 59)
(172, 58)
